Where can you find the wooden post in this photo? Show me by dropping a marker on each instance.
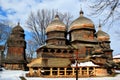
(51, 71)
(76, 70)
(87, 71)
(94, 72)
(31, 71)
(38, 72)
(80, 71)
(65, 71)
(58, 71)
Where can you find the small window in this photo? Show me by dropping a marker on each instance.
(52, 50)
(65, 51)
(45, 50)
(89, 50)
(58, 51)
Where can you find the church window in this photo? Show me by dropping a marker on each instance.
(65, 51)
(45, 50)
(89, 50)
(52, 50)
(58, 51)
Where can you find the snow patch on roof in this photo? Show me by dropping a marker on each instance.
(83, 64)
(116, 56)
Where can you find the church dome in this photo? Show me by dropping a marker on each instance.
(101, 35)
(18, 28)
(81, 22)
(56, 25)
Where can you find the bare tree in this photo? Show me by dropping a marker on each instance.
(110, 8)
(4, 31)
(37, 23)
(30, 49)
(4, 34)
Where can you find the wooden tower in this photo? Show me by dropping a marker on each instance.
(16, 49)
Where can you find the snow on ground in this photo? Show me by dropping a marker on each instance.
(14, 75)
(11, 74)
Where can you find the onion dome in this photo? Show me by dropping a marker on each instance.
(56, 25)
(102, 36)
(18, 28)
(81, 22)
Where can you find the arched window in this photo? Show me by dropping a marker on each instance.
(65, 51)
(58, 51)
(45, 50)
(52, 50)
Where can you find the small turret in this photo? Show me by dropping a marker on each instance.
(101, 35)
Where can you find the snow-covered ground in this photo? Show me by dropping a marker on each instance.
(14, 75)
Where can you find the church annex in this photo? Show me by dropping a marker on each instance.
(57, 58)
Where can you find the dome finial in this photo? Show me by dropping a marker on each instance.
(81, 12)
(57, 16)
(18, 23)
(99, 25)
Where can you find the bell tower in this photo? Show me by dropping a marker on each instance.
(16, 49)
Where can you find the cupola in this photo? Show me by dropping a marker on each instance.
(81, 22)
(56, 25)
(56, 32)
(101, 35)
(18, 28)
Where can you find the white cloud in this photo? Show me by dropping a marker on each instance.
(18, 10)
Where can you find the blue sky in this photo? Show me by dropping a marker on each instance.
(18, 10)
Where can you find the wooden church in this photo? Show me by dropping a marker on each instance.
(85, 49)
